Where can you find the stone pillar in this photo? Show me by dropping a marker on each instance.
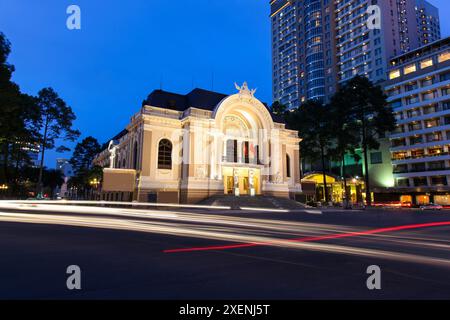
(147, 153)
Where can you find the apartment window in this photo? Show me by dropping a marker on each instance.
(399, 156)
(435, 151)
(436, 165)
(394, 74)
(414, 113)
(398, 143)
(403, 182)
(410, 69)
(415, 140)
(418, 167)
(426, 63)
(403, 168)
(429, 95)
(439, 181)
(445, 76)
(415, 126)
(444, 57)
(419, 153)
(430, 109)
(411, 86)
(412, 100)
(420, 182)
(432, 137)
(427, 82)
(432, 123)
(376, 157)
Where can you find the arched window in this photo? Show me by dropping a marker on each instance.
(232, 151)
(288, 166)
(165, 154)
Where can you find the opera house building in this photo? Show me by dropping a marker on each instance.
(186, 148)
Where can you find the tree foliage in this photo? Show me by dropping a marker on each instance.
(19, 120)
(56, 123)
(366, 115)
(312, 121)
(84, 153)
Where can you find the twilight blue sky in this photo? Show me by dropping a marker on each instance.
(124, 49)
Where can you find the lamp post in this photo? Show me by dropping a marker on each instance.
(95, 183)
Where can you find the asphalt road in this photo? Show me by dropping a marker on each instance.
(222, 254)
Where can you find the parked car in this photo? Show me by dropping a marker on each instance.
(431, 206)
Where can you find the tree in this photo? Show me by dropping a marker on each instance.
(313, 120)
(19, 121)
(279, 108)
(83, 181)
(56, 123)
(364, 108)
(84, 153)
(52, 179)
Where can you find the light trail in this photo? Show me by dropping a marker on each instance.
(241, 232)
(315, 239)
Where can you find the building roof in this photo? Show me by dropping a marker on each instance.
(197, 98)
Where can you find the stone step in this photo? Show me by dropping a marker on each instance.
(253, 202)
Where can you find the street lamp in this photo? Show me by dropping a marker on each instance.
(4, 187)
(95, 183)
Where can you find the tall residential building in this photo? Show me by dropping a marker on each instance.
(319, 44)
(428, 24)
(419, 92)
(303, 51)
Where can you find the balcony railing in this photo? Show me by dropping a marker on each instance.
(242, 160)
(421, 170)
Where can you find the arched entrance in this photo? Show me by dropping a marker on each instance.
(244, 125)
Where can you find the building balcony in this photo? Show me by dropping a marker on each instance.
(412, 173)
(443, 127)
(419, 90)
(424, 158)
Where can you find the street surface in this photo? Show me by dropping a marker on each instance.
(199, 253)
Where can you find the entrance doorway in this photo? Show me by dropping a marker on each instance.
(229, 185)
(241, 181)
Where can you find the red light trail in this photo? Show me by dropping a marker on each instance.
(315, 239)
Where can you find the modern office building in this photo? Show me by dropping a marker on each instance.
(419, 91)
(319, 44)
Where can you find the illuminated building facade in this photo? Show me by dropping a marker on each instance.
(303, 54)
(319, 44)
(185, 148)
(419, 92)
